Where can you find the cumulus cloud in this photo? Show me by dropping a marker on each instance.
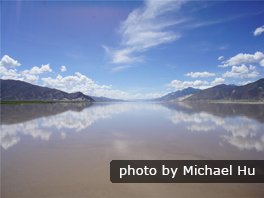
(258, 31)
(199, 84)
(28, 75)
(16, 75)
(143, 29)
(245, 82)
(217, 81)
(200, 74)
(63, 68)
(242, 71)
(179, 85)
(7, 61)
(8, 73)
(241, 58)
(80, 82)
(38, 70)
(72, 83)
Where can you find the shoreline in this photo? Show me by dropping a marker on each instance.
(14, 102)
(40, 102)
(235, 102)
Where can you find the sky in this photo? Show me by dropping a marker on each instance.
(132, 49)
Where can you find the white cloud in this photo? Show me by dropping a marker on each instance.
(8, 73)
(262, 63)
(143, 29)
(217, 81)
(198, 24)
(242, 71)
(200, 74)
(15, 75)
(124, 56)
(220, 58)
(179, 85)
(38, 70)
(7, 61)
(241, 58)
(199, 84)
(30, 78)
(80, 82)
(5, 71)
(31, 75)
(63, 68)
(71, 83)
(258, 31)
(244, 82)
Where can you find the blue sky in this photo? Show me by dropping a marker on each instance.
(132, 49)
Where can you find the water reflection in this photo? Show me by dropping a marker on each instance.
(238, 125)
(241, 130)
(41, 120)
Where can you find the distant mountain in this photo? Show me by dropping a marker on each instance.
(178, 95)
(104, 99)
(15, 90)
(252, 91)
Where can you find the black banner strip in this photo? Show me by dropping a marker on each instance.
(187, 171)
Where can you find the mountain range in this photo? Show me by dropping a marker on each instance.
(249, 92)
(178, 95)
(252, 91)
(15, 90)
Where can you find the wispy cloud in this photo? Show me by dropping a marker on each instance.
(120, 68)
(204, 23)
(220, 58)
(145, 27)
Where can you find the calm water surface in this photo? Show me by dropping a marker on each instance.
(64, 150)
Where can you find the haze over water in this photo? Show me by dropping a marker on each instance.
(64, 150)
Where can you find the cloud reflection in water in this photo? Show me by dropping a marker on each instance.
(239, 129)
